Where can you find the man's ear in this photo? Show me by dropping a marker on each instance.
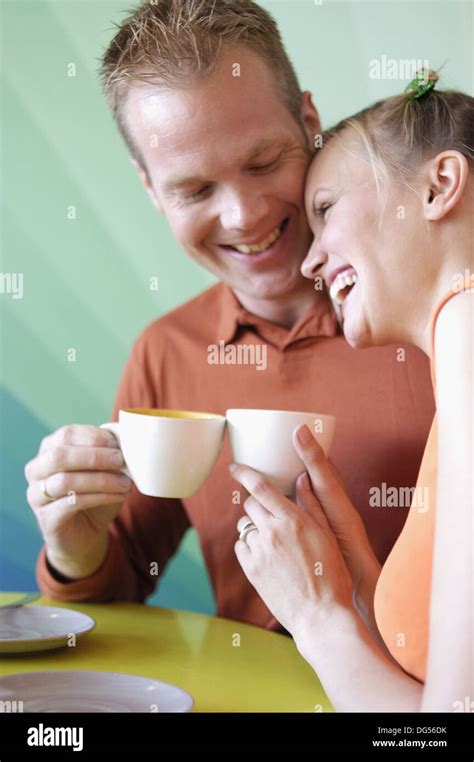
(444, 180)
(143, 175)
(310, 118)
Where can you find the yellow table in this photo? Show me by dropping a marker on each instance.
(225, 665)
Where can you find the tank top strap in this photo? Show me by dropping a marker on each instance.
(466, 285)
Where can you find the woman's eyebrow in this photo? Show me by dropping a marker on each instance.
(321, 189)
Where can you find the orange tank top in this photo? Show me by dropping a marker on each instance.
(402, 595)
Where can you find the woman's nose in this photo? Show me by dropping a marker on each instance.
(314, 259)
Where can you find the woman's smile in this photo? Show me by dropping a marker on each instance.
(341, 282)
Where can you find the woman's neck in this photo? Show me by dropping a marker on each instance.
(451, 277)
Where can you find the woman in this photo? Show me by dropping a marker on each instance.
(390, 198)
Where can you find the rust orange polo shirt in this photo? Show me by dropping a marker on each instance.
(382, 399)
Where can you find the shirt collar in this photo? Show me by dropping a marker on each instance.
(318, 321)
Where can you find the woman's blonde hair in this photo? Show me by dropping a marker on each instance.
(401, 132)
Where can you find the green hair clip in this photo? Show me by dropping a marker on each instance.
(424, 82)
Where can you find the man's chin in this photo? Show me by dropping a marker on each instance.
(271, 286)
(273, 280)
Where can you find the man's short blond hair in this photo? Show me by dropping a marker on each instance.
(173, 42)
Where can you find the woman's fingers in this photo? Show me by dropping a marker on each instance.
(254, 515)
(242, 522)
(242, 551)
(327, 487)
(256, 511)
(261, 489)
(306, 500)
(343, 518)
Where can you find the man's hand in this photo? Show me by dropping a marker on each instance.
(79, 466)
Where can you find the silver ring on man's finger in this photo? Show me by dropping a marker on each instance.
(246, 529)
(45, 491)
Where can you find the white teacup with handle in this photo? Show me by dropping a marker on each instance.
(263, 440)
(168, 453)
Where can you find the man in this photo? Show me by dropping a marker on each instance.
(221, 136)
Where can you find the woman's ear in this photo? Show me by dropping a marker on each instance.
(445, 178)
(146, 182)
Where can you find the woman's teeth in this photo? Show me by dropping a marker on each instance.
(338, 291)
(268, 241)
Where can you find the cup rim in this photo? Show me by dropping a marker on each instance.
(279, 412)
(194, 415)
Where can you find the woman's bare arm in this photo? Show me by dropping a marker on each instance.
(450, 677)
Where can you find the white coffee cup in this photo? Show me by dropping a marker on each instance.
(262, 439)
(168, 453)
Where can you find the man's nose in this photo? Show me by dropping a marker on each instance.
(242, 211)
(315, 258)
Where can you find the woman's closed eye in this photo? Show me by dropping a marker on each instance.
(320, 211)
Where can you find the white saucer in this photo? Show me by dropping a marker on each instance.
(38, 628)
(83, 691)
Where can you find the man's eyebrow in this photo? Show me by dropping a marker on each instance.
(174, 183)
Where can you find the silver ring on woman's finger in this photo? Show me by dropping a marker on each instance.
(246, 529)
(247, 523)
(45, 491)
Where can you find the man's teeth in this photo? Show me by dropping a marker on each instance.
(268, 241)
(339, 284)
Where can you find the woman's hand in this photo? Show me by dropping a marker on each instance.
(303, 561)
(293, 560)
(320, 554)
(343, 518)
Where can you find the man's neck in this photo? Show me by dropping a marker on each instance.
(282, 310)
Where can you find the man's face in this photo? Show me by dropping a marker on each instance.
(227, 164)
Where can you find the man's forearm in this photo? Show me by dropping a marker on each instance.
(75, 568)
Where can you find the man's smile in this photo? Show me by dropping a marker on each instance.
(258, 245)
(259, 249)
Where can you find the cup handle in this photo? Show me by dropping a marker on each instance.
(114, 428)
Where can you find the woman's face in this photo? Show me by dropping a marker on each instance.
(368, 243)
